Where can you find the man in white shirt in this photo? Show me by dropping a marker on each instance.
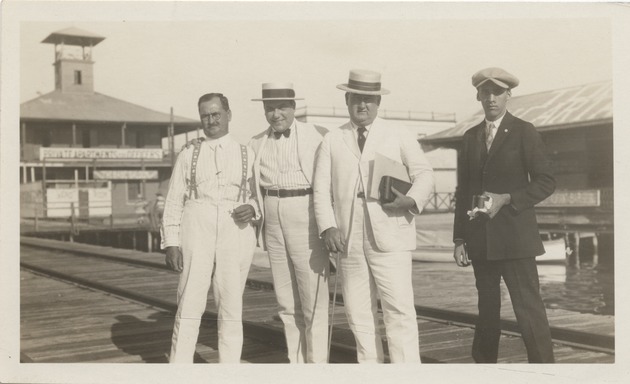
(283, 172)
(374, 240)
(208, 232)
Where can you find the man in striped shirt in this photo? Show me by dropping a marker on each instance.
(283, 172)
(208, 232)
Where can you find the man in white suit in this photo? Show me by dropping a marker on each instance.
(283, 173)
(374, 240)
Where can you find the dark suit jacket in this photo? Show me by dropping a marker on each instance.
(516, 164)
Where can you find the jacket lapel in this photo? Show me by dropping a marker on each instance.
(374, 137)
(263, 141)
(348, 138)
(502, 132)
(304, 141)
(480, 142)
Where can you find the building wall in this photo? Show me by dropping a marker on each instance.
(123, 204)
(582, 158)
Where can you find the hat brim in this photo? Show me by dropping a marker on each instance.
(497, 82)
(278, 98)
(345, 87)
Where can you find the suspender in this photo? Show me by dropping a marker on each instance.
(193, 172)
(243, 189)
(193, 168)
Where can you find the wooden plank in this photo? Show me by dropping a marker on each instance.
(55, 302)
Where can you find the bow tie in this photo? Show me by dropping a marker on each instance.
(286, 133)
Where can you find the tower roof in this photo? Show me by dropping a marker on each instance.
(73, 36)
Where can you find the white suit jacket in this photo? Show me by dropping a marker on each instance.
(339, 168)
(308, 136)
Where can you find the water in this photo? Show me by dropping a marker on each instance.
(587, 289)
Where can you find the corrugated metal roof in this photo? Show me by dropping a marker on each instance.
(547, 110)
(73, 36)
(93, 107)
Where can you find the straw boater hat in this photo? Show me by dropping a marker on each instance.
(277, 91)
(364, 82)
(497, 75)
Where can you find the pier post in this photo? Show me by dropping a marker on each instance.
(577, 249)
(71, 222)
(595, 251)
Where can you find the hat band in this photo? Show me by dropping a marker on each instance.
(278, 94)
(363, 86)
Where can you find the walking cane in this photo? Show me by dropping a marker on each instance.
(334, 302)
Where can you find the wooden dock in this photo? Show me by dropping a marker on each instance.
(66, 322)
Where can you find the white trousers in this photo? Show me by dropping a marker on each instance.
(216, 250)
(367, 273)
(299, 265)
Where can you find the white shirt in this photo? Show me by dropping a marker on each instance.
(218, 180)
(496, 123)
(355, 130)
(279, 163)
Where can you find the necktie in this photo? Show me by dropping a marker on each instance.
(489, 135)
(361, 138)
(286, 133)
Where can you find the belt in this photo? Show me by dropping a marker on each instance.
(286, 192)
(361, 195)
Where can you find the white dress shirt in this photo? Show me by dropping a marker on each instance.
(218, 180)
(496, 123)
(279, 163)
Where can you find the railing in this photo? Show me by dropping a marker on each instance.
(440, 202)
(34, 220)
(384, 113)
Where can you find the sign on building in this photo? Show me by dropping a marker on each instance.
(577, 198)
(126, 175)
(101, 153)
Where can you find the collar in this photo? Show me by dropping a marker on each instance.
(496, 122)
(291, 128)
(355, 126)
(220, 142)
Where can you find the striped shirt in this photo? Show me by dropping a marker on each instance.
(279, 163)
(218, 180)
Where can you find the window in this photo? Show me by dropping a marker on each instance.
(77, 77)
(134, 190)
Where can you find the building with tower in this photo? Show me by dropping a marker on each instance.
(83, 149)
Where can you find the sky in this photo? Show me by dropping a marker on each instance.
(426, 63)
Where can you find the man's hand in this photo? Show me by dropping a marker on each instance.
(401, 202)
(191, 143)
(174, 259)
(460, 255)
(334, 240)
(244, 213)
(498, 201)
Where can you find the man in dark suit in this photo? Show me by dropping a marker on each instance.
(503, 159)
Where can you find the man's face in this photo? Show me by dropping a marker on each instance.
(362, 108)
(494, 99)
(280, 114)
(214, 119)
